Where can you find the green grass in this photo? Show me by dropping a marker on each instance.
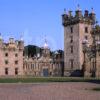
(47, 79)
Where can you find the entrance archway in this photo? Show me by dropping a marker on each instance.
(45, 73)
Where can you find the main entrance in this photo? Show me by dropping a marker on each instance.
(45, 72)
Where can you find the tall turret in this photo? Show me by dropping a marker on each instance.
(21, 43)
(92, 16)
(46, 49)
(86, 14)
(76, 28)
(78, 13)
(64, 17)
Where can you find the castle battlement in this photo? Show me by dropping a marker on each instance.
(79, 17)
(12, 44)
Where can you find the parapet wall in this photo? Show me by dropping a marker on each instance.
(79, 17)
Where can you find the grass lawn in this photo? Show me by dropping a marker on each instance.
(48, 79)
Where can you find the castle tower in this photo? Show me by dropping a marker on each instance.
(46, 50)
(76, 28)
(21, 43)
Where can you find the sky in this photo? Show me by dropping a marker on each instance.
(37, 20)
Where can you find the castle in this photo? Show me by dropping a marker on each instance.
(43, 65)
(14, 63)
(80, 41)
(77, 32)
(11, 57)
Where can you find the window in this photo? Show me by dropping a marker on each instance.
(6, 54)
(71, 49)
(71, 29)
(6, 62)
(6, 71)
(71, 63)
(50, 73)
(38, 66)
(16, 62)
(33, 66)
(86, 37)
(86, 29)
(16, 55)
(71, 39)
(16, 71)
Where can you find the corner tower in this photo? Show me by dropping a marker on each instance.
(76, 28)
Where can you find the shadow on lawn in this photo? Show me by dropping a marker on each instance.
(94, 81)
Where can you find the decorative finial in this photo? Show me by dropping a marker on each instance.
(21, 37)
(78, 7)
(92, 10)
(45, 44)
(64, 10)
(70, 13)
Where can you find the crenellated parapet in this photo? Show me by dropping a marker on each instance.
(79, 17)
(12, 44)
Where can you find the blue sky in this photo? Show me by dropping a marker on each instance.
(37, 19)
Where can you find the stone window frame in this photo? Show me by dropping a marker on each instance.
(71, 39)
(6, 71)
(71, 29)
(71, 62)
(16, 62)
(33, 66)
(16, 71)
(6, 62)
(6, 54)
(16, 54)
(71, 49)
(86, 37)
(86, 29)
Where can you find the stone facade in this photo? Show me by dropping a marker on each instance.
(92, 65)
(14, 63)
(11, 57)
(76, 28)
(43, 65)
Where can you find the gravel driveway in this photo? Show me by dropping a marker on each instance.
(49, 91)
